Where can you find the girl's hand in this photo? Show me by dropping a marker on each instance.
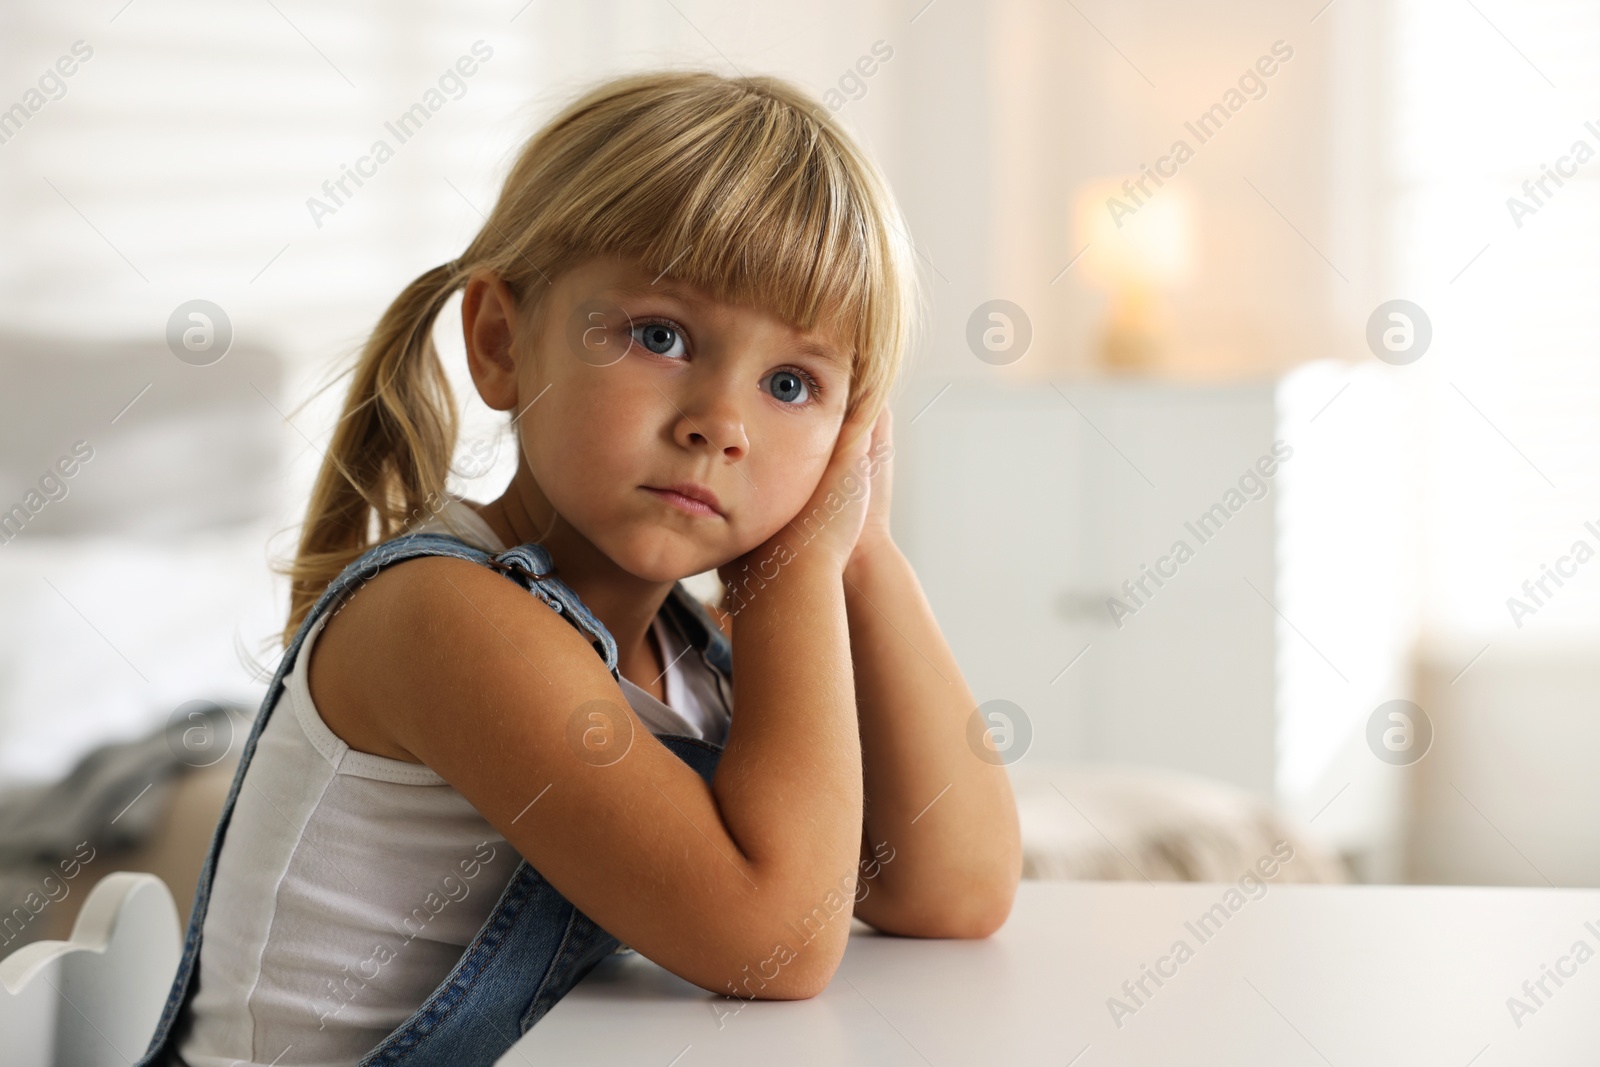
(816, 532)
(880, 454)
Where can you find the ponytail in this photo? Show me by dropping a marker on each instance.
(390, 454)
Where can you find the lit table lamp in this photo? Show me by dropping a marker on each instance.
(1138, 248)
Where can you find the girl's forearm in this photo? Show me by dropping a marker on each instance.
(946, 817)
(789, 782)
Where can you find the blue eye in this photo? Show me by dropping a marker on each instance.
(791, 387)
(663, 337)
(658, 337)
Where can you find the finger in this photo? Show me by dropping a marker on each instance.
(855, 430)
(883, 428)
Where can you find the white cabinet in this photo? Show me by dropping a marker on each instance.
(1025, 509)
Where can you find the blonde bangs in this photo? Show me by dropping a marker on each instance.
(742, 187)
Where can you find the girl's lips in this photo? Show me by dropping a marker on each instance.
(686, 503)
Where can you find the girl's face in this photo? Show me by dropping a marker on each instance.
(639, 383)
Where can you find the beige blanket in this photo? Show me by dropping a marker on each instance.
(1107, 823)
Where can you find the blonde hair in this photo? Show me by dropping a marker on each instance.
(744, 187)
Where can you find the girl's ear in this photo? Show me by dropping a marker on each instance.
(490, 325)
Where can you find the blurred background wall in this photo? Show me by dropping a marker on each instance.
(1153, 342)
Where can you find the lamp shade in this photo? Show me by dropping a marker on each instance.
(1134, 240)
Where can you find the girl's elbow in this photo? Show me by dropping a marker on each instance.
(804, 987)
(976, 911)
(988, 920)
(786, 962)
(970, 916)
(797, 979)
(974, 922)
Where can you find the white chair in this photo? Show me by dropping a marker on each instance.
(94, 1000)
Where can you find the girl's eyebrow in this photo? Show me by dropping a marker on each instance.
(824, 352)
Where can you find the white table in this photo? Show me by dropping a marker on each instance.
(1347, 976)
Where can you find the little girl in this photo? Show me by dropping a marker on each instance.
(500, 743)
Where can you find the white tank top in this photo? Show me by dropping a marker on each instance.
(349, 884)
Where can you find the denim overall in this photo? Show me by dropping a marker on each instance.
(534, 946)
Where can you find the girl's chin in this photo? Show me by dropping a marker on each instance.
(658, 563)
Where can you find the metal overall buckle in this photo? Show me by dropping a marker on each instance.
(520, 571)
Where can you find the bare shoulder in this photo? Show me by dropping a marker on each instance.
(418, 625)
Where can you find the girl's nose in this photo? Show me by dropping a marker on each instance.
(712, 417)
